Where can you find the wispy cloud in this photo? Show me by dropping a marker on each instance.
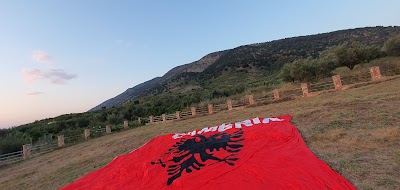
(33, 93)
(31, 74)
(124, 43)
(42, 57)
(55, 76)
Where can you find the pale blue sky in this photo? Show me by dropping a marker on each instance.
(60, 57)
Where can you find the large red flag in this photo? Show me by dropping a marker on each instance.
(261, 153)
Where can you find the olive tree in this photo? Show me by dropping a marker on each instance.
(392, 46)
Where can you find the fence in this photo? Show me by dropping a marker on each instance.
(390, 71)
(239, 102)
(97, 131)
(74, 139)
(315, 87)
(325, 85)
(28, 151)
(219, 108)
(364, 77)
(11, 157)
(202, 110)
(264, 97)
(296, 92)
(336, 83)
(171, 117)
(42, 148)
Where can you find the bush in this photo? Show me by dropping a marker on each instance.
(392, 46)
(307, 70)
(8, 145)
(11, 143)
(387, 64)
(349, 55)
(71, 132)
(114, 119)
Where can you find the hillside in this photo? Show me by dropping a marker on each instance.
(355, 131)
(260, 62)
(148, 87)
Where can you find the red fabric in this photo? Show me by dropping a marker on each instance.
(269, 155)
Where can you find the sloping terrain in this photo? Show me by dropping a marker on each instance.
(355, 131)
(156, 85)
(255, 60)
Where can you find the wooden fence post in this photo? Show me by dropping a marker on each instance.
(151, 119)
(337, 82)
(193, 109)
(229, 102)
(178, 115)
(304, 88)
(251, 100)
(375, 73)
(108, 129)
(276, 94)
(86, 133)
(26, 151)
(163, 118)
(60, 140)
(126, 124)
(210, 108)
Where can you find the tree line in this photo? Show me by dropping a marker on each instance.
(343, 55)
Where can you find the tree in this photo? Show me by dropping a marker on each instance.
(373, 52)
(392, 46)
(304, 70)
(328, 61)
(11, 143)
(114, 119)
(82, 122)
(310, 69)
(351, 54)
(285, 74)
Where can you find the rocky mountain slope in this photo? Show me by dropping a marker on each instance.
(147, 87)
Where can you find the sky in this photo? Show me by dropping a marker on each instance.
(67, 56)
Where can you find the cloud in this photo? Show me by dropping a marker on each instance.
(31, 74)
(42, 57)
(33, 93)
(55, 76)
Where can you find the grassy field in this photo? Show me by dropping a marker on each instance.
(356, 131)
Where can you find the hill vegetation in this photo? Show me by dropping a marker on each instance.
(354, 131)
(243, 70)
(260, 62)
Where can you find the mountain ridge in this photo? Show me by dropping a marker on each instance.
(143, 88)
(251, 58)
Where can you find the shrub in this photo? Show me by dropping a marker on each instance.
(307, 70)
(392, 46)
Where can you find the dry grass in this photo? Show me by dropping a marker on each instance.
(356, 131)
